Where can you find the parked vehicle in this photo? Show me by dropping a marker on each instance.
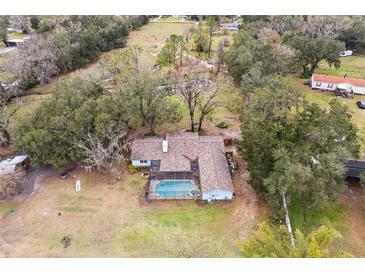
(63, 174)
(360, 104)
(345, 93)
(346, 53)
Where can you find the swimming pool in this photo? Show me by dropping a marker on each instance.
(176, 189)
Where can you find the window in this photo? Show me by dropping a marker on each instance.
(318, 84)
(330, 86)
(143, 161)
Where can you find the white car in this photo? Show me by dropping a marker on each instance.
(346, 53)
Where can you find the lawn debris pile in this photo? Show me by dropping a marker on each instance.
(66, 241)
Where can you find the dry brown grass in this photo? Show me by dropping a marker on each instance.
(108, 219)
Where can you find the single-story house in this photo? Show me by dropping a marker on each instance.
(10, 165)
(14, 42)
(333, 83)
(184, 166)
(230, 26)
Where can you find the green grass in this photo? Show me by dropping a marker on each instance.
(181, 230)
(16, 35)
(324, 98)
(332, 215)
(352, 66)
(5, 207)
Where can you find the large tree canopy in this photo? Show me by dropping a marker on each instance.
(76, 109)
(269, 241)
(311, 51)
(294, 148)
(252, 57)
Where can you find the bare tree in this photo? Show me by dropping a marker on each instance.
(330, 26)
(11, 184)
(192, 82)
(5, 115)
(106, 151)
(220, 54)
(36, 56)
(19, 22)
(206, 105)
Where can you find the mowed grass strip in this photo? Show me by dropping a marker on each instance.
(179, 230)
(352, 66)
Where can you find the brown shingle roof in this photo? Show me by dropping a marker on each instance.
(209, 150)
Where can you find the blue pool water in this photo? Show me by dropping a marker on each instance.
(175, 189)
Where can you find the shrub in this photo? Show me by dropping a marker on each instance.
(132, 169)
(222, 124)
(11, 184)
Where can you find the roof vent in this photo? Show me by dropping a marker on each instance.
(165, 146)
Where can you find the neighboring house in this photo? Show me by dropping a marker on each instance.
(230, 26)
(9, 166)
(14, 42)
(333, 83)
(17, 42)
(184, 166)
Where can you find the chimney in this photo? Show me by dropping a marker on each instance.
(165, 146)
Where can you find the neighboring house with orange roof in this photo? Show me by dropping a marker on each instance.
(184, 166)
(332, 83)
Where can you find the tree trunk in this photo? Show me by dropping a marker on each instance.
(142, 111)
(1, 88)
(4, 137)
(192, 121)
(218, 69)
(181, 57)
(305, 215)
(287, 220)
(200, 122)
(174, 58)
(210, 41)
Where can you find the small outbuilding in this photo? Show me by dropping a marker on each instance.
(10, 165)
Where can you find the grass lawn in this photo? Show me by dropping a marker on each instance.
(108, 219)
(217, 36)
(324, 98)
(152, 37)
(352, 66)
(332, 215)
(16, 35)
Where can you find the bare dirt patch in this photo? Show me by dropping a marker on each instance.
(354, 201)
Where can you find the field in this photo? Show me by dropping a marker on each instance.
(151, 37)
(109, 219)
(352, 66)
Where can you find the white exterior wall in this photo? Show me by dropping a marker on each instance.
(137, 163)
(359, 90)
(324, 86)
(217, 194)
